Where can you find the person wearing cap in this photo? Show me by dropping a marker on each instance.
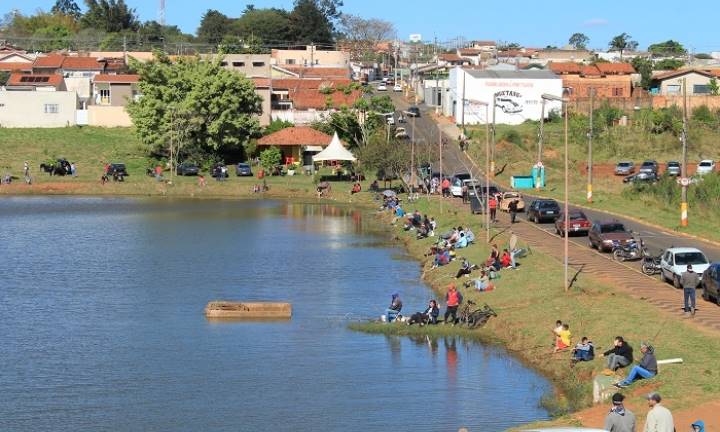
(395, 307)
(659, 418)
(647, 368)
(619, 419)
(689, 281)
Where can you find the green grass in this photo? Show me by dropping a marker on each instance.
(618, 143)
(530, 299)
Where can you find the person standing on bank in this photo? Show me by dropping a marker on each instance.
(453, 298)
(689, 281)
(513, 208)
(659, 418)
(619, 419)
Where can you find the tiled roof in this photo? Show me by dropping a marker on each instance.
(318, 71)
(117, 78)
(261, 82)
(27, 80)
(307, 84)
(615, 68)
(83, 63)
(590, 70)
(680, 72)
(293, 136)
(565, 68)
(313, 99)
(469, 52)
(450, 57)
(15, 66)
(54, 61)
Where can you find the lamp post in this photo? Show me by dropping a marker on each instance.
(564, 101)
(683, 169)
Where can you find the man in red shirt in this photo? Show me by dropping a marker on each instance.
(492, 203)
(453, 298)
(446, 187)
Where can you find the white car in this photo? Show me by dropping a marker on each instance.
(391, 120)
(674, 262)
(397, 88)
(382, 87)
(456, 188)
(705, 167)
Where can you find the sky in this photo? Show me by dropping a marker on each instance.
(694, 24)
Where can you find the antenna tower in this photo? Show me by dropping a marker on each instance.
(161, 12)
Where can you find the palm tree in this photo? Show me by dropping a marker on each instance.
(621, 42)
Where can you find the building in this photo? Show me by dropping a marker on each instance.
(27, 82)
(298, 144)
(516, 95)
(250, 65)
(304, 101)
(606, 80)
(311, 56)
(317, 72)
(697, 81)
(37, 101)
(452, 59)
(484, 46)
(546, 56)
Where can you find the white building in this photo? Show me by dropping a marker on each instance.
(517, 95)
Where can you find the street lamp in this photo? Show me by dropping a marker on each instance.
(564, 101)
(487, 166)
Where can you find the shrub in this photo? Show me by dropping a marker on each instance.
(270, 157)
(512, 136)
(704, 116)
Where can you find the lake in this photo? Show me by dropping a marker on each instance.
(102, 325)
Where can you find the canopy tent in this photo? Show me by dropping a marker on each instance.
(334, 152)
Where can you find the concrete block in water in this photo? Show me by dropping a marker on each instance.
(603, 388)
(248, 310)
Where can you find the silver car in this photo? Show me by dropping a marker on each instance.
(673, 168)
(624, 168)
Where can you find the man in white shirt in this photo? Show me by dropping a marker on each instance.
(659, 418)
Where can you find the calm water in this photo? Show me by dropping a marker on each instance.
(102, 326)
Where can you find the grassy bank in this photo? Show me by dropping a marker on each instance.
(517, 147)
(530, 299)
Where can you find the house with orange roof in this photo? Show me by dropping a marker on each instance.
(304, 101)
(37, 101)
(297, 144)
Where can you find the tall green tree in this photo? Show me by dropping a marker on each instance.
(622, 42)
(218, 108)
(644, 67)
(311, 21)
(714, 87)
(52, 38)
(667, 48)
(67, 7)
(579, 40)
(669, 64)
(214, 25)
(272, 26)
(109, 15)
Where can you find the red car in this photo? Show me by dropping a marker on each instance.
(578, 222)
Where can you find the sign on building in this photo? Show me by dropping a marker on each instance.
(415, 37)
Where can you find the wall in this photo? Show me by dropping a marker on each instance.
(265, 117)
(691, 80)
(233, 62)
(603, 86)
(81, 85)
(299, 118)
(518, 99)
(311, 55)
(108, 116)
(120, 94)
(21, 109)
(712, 102)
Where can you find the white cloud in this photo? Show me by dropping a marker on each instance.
(595, 22)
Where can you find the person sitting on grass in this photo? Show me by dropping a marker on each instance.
(422, 232)
(620, 355)
(462, 241)
(433, 226)
(453, 299)
(583, 351)
(465, 268)
(355, 189)
(394, 309)
(482, 283)
(647, 368)
(374, 187)
(562, 342)
(454, 236)
(399, 213)
(470, 236)
(505, 259)
(430, 315)
(442, 258)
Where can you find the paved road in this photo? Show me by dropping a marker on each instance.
(426, 131)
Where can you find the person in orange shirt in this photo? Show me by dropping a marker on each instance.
(445, 187)
(492, 204)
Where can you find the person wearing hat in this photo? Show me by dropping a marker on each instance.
(395, 307)
(689, 281)
(619, 419)
(659, 418)
(647, 368)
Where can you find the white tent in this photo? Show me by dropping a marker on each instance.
(334, 152)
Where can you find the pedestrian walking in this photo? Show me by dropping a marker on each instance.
(689, 281)
(73, 169)
(512, 208)
(492, 203)
(26, 169)
(659, 418)
(619, 419)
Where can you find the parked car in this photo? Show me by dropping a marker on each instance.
(456, 187)
(577, 221)
(705, 167)
(397, 88)
(604, 235)
(649, 166)
(117, 168)
(711, 283)
(673, 168)
(674, 263)
(542, 210)
(508, 197)
(642, 177)
(187, 169)
(243, 170)
(382, 87)
(413, 111)
(624, 168)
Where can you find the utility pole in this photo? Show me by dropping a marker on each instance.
(540, 143)
(462, 118)
(412, 155)
(590, 157)
(487, 173)
(441, 163)
(312, 54)
(492, 148)
(567, 198)
(684, 171)
(437, 78)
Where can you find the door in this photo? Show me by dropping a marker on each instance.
(592, 235)
(666, 265)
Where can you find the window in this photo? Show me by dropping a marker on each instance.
(104, 97)
(238, 64)
(673, 89)
(223, 63)
(701, 89)
(52, 108)
(617, 92)
(290, 61)
(258, 64)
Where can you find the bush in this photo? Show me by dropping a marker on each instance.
(270, 157)
(512, 136)
(661, 120)
(704, 116)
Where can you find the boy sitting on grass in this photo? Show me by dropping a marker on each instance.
(562, 342)
(583, 351)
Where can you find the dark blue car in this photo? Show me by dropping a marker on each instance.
(711, 283)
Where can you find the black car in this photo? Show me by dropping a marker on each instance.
(711, 283)
(413, 111)
(543, 210)
(188, 169)
(642, 177)
(243, 170)
(649, 166)
(117, 169)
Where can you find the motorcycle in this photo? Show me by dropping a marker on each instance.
(650, 264)
(630, 252)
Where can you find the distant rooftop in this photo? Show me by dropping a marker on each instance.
(516, 74)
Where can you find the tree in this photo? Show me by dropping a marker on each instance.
(270, 157)
(218, 107)
(272, 26)
(4, 75)
(52, 38)
(310, 23)
(579, 40)
(714, 87)
(362, 35)
(622, 42)
(109, 15)
(67, 7)
(669, 64)
(644, 67)
(236, 45)
(214, 26)
(667, 48)
(504, 46)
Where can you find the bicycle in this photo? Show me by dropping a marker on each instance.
(477, 317)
